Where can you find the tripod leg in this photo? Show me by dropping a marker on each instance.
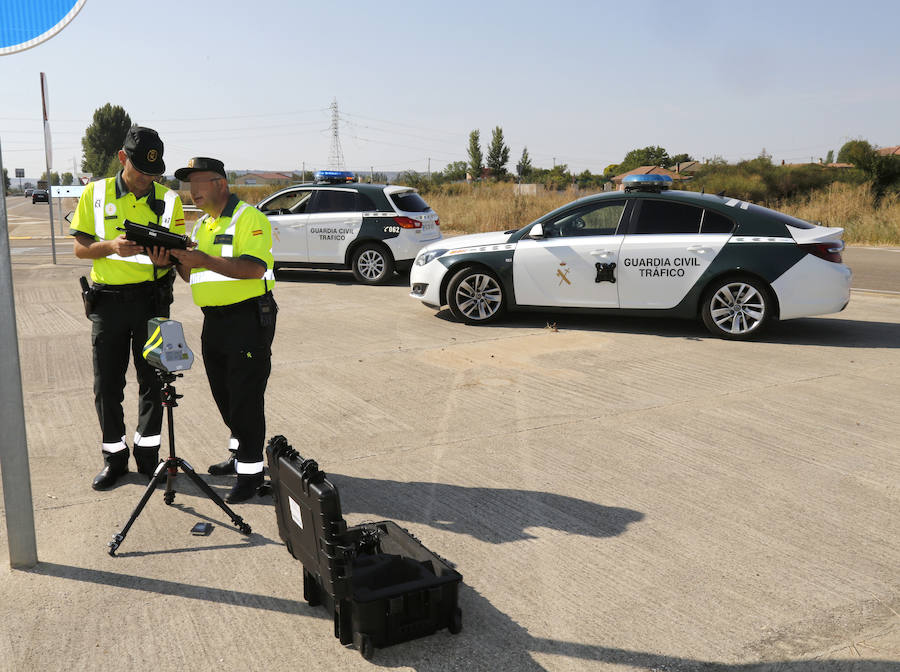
(151, 486)
(209, 492)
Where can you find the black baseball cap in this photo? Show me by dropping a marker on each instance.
(145, 150)
(200, 163)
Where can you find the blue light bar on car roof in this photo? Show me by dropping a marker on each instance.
(334, 176)
(647, 182)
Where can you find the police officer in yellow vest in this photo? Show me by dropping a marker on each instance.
(231, 276)
(130, 290)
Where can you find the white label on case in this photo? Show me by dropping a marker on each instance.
(295, 512)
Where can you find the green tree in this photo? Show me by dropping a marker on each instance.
(556, 178)
(103, 139)
(414, 179)
(855, 152)
(681, 158)
(523, 167)
(66, 179)
(498, 154)
(476, 159)
(54, 178)
(829, 158)
(6, 180)
(647, 156)
(883, 171)
(455, 171)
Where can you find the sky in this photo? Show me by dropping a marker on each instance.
(577, 83)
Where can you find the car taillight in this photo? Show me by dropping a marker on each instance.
(830, 251)
(408, 223)
(437, 222)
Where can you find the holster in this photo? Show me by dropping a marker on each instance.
(162, 293)
(267, 309)
(89, 296)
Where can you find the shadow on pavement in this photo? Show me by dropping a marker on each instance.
(833, 332)
(494, 515)
(498, 642)
(334, 277)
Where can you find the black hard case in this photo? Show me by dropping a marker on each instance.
(379, 582)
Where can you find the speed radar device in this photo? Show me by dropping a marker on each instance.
(166, 348)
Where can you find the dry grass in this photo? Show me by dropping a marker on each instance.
(494, 207)
(852, 207)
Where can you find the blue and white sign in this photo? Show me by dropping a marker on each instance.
(27, 23)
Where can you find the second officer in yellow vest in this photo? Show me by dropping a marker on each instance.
(231, 276)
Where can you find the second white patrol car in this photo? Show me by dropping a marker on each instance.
(647, 250)
(336, 223)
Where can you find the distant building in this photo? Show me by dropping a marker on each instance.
(266, 178)
(688, 167)
(889, 151)
(527, 189)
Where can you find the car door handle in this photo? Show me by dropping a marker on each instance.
(601, 253)
(699, 249)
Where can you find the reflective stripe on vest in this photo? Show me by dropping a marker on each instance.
(211, 276)
(100, 217)
(228, 250)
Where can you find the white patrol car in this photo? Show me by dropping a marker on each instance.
(336, 224)
(735, 265)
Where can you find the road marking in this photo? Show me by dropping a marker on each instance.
(39, 237)
(873, 291)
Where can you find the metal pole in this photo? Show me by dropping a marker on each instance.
(13, 447)
(49, 199)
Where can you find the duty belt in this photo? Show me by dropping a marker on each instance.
(246, 304)
(127, 292)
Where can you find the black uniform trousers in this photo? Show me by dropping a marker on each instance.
(119, 329)
(237, 354)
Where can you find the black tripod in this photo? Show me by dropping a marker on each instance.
(170, 467)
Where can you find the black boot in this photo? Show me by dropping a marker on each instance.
(225, 468)
(115, 465)
(244, 488)
(147, 459)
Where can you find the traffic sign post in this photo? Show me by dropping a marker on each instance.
(13, 447)
(23, 24)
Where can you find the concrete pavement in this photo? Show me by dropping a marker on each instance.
(619, 494)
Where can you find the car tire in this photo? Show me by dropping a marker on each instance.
(475, 296)
(372, 264)
(737, 307)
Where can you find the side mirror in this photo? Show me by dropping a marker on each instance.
(537, 231)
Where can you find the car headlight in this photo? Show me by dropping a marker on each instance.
(430, 255)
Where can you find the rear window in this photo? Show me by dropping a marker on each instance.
(713, 222)
(410, 201)
(667, 217)
(782, 218)
(335, 200)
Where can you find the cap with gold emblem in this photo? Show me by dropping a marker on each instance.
(145, 150)
(200, 163)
